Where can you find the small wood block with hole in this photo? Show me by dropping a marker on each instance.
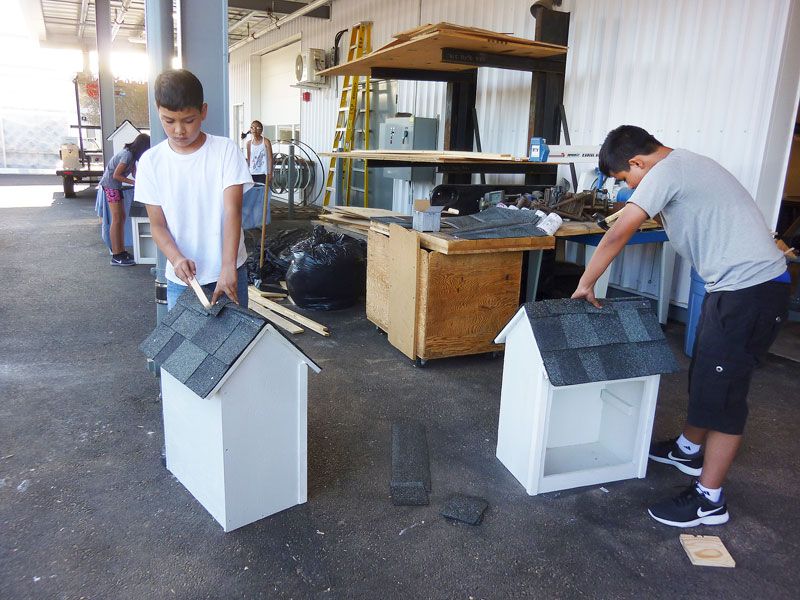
(707, 551)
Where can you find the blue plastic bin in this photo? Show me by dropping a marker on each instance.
(697, 292)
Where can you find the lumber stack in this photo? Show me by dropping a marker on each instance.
(354, 218)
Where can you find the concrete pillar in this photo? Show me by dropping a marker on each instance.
(203, 48)
(160, 51)
(108, 120)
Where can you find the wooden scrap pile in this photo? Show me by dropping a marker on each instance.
(264, 303)
(354, 218)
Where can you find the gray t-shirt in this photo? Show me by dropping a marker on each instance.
(108, 181)
(711, 220)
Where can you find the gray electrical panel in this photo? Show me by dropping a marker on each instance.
(409, 133)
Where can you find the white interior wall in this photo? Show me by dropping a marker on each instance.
(700, 74)
(280, 103)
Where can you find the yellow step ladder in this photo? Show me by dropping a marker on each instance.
(344, 136)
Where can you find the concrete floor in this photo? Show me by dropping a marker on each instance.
(88, 511)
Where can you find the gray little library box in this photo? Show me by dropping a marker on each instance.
(579, 392)
(234, 394)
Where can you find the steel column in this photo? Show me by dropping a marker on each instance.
(203, 48)
(108, 120)
(160, 52)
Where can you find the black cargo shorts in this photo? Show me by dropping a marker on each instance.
(735, 330)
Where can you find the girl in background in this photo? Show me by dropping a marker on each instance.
(119, 168)
(259, 154)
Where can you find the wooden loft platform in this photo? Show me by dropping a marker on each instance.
(433, 48)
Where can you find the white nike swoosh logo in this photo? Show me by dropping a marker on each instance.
(705, 513)
(677, 458)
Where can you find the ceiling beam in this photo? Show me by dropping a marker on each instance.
(242, 21)
(284, 7)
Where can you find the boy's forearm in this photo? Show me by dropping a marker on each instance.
(232, 225)
(166, 243)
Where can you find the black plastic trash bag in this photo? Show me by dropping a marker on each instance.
(277, 256)
(328, 271)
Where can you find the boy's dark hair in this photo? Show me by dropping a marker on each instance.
(621, 145)
(138, 146)
(178, 89)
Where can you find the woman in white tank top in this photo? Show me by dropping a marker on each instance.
(259, 154)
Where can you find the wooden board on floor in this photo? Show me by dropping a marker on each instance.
(404, 253)
(706, 551)
(276, 319)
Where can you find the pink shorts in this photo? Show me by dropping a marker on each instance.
(113, 195)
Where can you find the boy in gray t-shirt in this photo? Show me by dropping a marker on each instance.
(712, 222)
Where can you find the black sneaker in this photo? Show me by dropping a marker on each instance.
(689, 509)
(123, 259)
(669, 453)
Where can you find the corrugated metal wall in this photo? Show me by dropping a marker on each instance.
(700, 74)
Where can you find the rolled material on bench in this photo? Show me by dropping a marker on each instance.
(411, 473)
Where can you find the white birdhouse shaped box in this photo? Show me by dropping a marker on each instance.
(579, 392)
(234, 393)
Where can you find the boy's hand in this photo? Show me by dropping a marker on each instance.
(587, 293)
(185, 269)
(226, 284)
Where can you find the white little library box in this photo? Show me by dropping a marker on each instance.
(579, 392)
(234, 394)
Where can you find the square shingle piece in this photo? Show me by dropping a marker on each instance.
(184, 361)
(153, 344)
(189, 323)
(206, 376)
(235, 344)
(215, 331)
(467, 509)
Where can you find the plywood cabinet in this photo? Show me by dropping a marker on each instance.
(435, 305)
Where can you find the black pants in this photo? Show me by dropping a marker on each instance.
(735, 330)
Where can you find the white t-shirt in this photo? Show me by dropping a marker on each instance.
(258, 158)
(188, 188)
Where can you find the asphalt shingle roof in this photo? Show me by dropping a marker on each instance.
(583, 344)
(198, 347)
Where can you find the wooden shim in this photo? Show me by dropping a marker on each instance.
(276, 319)
(404, 253)
(271, 295)
(706, 551)
(290, 314)
(201, 295)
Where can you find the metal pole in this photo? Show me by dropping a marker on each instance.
(108, 121)
(160, 51)
(204, 51)
(290, 184)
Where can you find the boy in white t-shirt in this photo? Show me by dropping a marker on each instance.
(192, 183)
